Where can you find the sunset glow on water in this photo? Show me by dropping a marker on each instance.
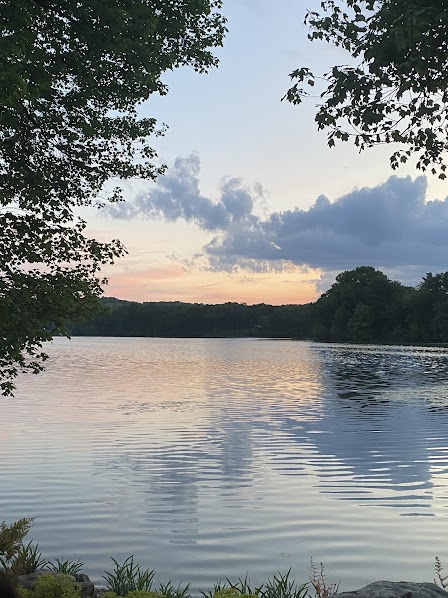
(218, 457)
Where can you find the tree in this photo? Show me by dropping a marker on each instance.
(360, 324)
(429, 307)
(363, 304)
(395, 88)
(72, 74)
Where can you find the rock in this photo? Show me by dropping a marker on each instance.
(87, 588)
(7, 588)
(28, 581)
(396, 589)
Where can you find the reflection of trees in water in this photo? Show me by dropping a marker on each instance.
(376, 431)
(373, 458)
(367, 436)
(370, 370)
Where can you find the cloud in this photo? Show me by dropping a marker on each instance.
(388, 226)
(176, 196)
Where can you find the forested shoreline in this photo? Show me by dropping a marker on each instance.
(363, 305)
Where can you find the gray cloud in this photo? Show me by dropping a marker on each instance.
(176, 196)
(390, 226)
(387, 226)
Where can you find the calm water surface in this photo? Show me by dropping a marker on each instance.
(215, 458)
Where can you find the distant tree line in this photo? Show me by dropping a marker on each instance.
(176, 319)
(363, 305)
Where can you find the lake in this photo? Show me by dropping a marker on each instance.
(213, 458)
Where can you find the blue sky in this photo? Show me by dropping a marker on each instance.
(254, 206)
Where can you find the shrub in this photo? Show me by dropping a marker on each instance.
(53, 586)
(11, 539)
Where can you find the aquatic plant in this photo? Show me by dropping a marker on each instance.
(322, 587)
(280, 586)
(441, 580)
(217, 589)
(171, 591)
(68, 566)
(128, 577)
(27, 559)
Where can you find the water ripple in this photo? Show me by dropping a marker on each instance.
(213, 458)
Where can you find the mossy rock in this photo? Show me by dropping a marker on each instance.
(48, 585)
(29, 581)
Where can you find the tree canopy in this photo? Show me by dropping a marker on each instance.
(362, 305)
(72, 75)
(395, 87)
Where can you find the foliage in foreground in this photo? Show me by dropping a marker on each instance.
(73, 74)
(135, 594)
(169, 590)
(318, 580)
(68, 566)
(280, 586)
(27, 560)
(128, 577)
(394, 86)
(16, 557)
(51, 586)
(11, 538)
(129, 580)
(441, 579)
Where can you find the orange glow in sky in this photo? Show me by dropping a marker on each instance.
(172, 282)
(251, 184)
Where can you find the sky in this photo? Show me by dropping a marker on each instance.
(254, 207)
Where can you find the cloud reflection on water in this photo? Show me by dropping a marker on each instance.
(209, 457)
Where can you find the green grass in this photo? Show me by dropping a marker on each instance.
(68, 566)
(280, 586)
(27, 560)
(128, 577)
